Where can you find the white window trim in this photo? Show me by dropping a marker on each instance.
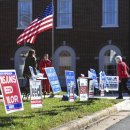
(116, 17)
(64, 26)
(21, 28)
(110, 26)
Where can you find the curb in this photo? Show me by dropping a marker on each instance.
(89, 120)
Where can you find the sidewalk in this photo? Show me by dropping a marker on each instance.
(118, 119)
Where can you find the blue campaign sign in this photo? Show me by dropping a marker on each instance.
(70, 77)
(53, 79)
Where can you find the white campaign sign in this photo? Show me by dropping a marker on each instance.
(83, 89)
(36, 93)
(113, 83)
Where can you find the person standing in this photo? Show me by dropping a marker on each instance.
(44, 63)
(122, 71)
(30, 61)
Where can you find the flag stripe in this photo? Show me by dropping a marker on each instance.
(47, 27)
(49, 24)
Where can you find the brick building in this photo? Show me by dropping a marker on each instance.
(87, 34)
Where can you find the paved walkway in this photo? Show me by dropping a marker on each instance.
(114, 122)
(121, 125)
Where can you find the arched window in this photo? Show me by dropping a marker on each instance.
(19, 59)
(107, 59)
(64, 59)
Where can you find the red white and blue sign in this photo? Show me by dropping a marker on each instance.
(53, 79)
(35, 93)
(10, 91)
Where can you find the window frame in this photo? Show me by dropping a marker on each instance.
(104, 24)
(61, 26)
(20, 27)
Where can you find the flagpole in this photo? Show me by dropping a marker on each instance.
(53, 30)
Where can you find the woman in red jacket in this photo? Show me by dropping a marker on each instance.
(122, 70)
(45, 62)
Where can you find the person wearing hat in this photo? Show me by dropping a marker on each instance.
(122, 71)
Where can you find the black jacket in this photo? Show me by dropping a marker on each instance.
(30, 61)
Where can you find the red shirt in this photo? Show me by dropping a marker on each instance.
(122, 70)
(43, 64)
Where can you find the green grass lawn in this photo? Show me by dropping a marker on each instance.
(54, 112)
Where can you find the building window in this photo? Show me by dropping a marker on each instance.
(64, 14)
(65, 62)
(110, 13)
(24, 13)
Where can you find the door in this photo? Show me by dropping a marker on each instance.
(64, 59)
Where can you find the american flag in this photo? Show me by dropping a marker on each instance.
(40, 24)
